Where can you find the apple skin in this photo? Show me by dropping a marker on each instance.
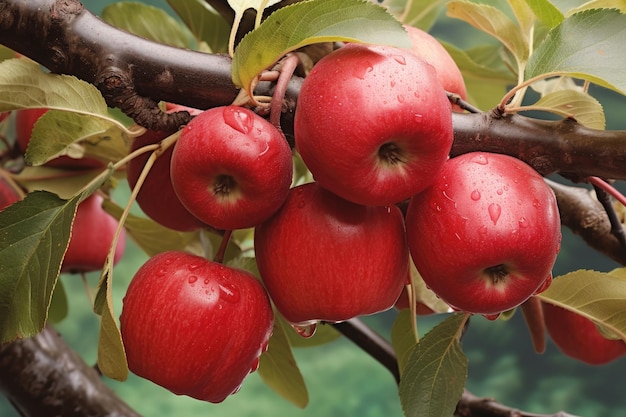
(157, 198)
(231, 168)
(579, 338)
(8, 195)
(430, 50)
(373, 124)
(323, 258)
(486, 234)
(194, 326)
(25, 120)
(92, 236)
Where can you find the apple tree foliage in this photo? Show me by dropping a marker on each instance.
(550, 47)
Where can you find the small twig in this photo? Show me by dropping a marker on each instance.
(456, 99)
(287, 69)
(473, 406)
(221, 251)
(617, 229)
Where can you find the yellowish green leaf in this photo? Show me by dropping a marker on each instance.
(596, 295)
(575, 104)
(403, 337)
(279, 370)
(546, 12)
(494, 22)
(310, 22)
(207, 26)
(111, 354)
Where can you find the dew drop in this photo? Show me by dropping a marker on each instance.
(435, 206)
(359, 71)
(499, 191)
(206, 281)
(491, 316)
(480, 159)
(306, 330)
(418, 118)
(475, 195)
(482, 230)
(523, 223)
(393, 83)
(192, 279)
(494, 212)
(238, 119)
(400, 98)
(255, 365)
(229, 293)
(162, 272)
(400, 59)
(193, 267)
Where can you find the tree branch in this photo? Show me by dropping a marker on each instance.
(43, 377)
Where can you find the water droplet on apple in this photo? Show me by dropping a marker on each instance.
(193, 267)
(393, 83)
(206, 281)
(475, 195)
(480, 159)
(499, 191)
(255, 365)
(400, 98)
(418, 118)
(491, 316)
(482, 230)
(400, 59)
(162, 272)
(229, 293)
(238, 119)
(522, 222)
(305, 330)
(359, 71)
(494, 212)
(435, 206)
(536, 203)
(192, 279)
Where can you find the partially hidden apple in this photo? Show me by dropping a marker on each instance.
(25, 120)
(373, 124)
(486, 234)
(8, 195)
(323, 258)
(231, 168)
(194, 326)
(156, 197)
(427, 47)
(579, 338)
(92, 236)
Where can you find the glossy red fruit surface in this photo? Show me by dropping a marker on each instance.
(324, 258)
(486, 234)
(92, 236)
(194, 326)
(579, 338)
(373, 124)
(231, 168)
(156, 197)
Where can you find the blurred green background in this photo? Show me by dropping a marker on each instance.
(344, 381)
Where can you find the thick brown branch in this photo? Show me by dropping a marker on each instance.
(44, 377)
(473, 406)
(585, 216)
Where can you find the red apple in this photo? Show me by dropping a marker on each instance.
(194, 326)
(231, 168)
(8, 195)
(373, 124)
(486, 234)
(4, 115)
(579, 338)
(24, 123)
(323, 258)
(156, 197)
(92, 236)
(430, 50)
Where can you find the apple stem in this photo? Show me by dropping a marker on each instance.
(219, 255)
(371, 342)
(288, 66)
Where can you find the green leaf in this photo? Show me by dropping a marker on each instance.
(153, 238)
(204, 22)
(421, 14)
(111, 355)
(596, 295)
(146, 21)
(436, 371)
(76, 135)
(524, 14)
(546, 12)
(575, 104)
(24, 85)
(600, 4)
(62, 182)
(278, 368)
(403, 337)
(310, 22)
(587, 45)
(34, 234)
(494, 22)
(58, 306)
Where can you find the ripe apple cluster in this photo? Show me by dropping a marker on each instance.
(374, 127)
